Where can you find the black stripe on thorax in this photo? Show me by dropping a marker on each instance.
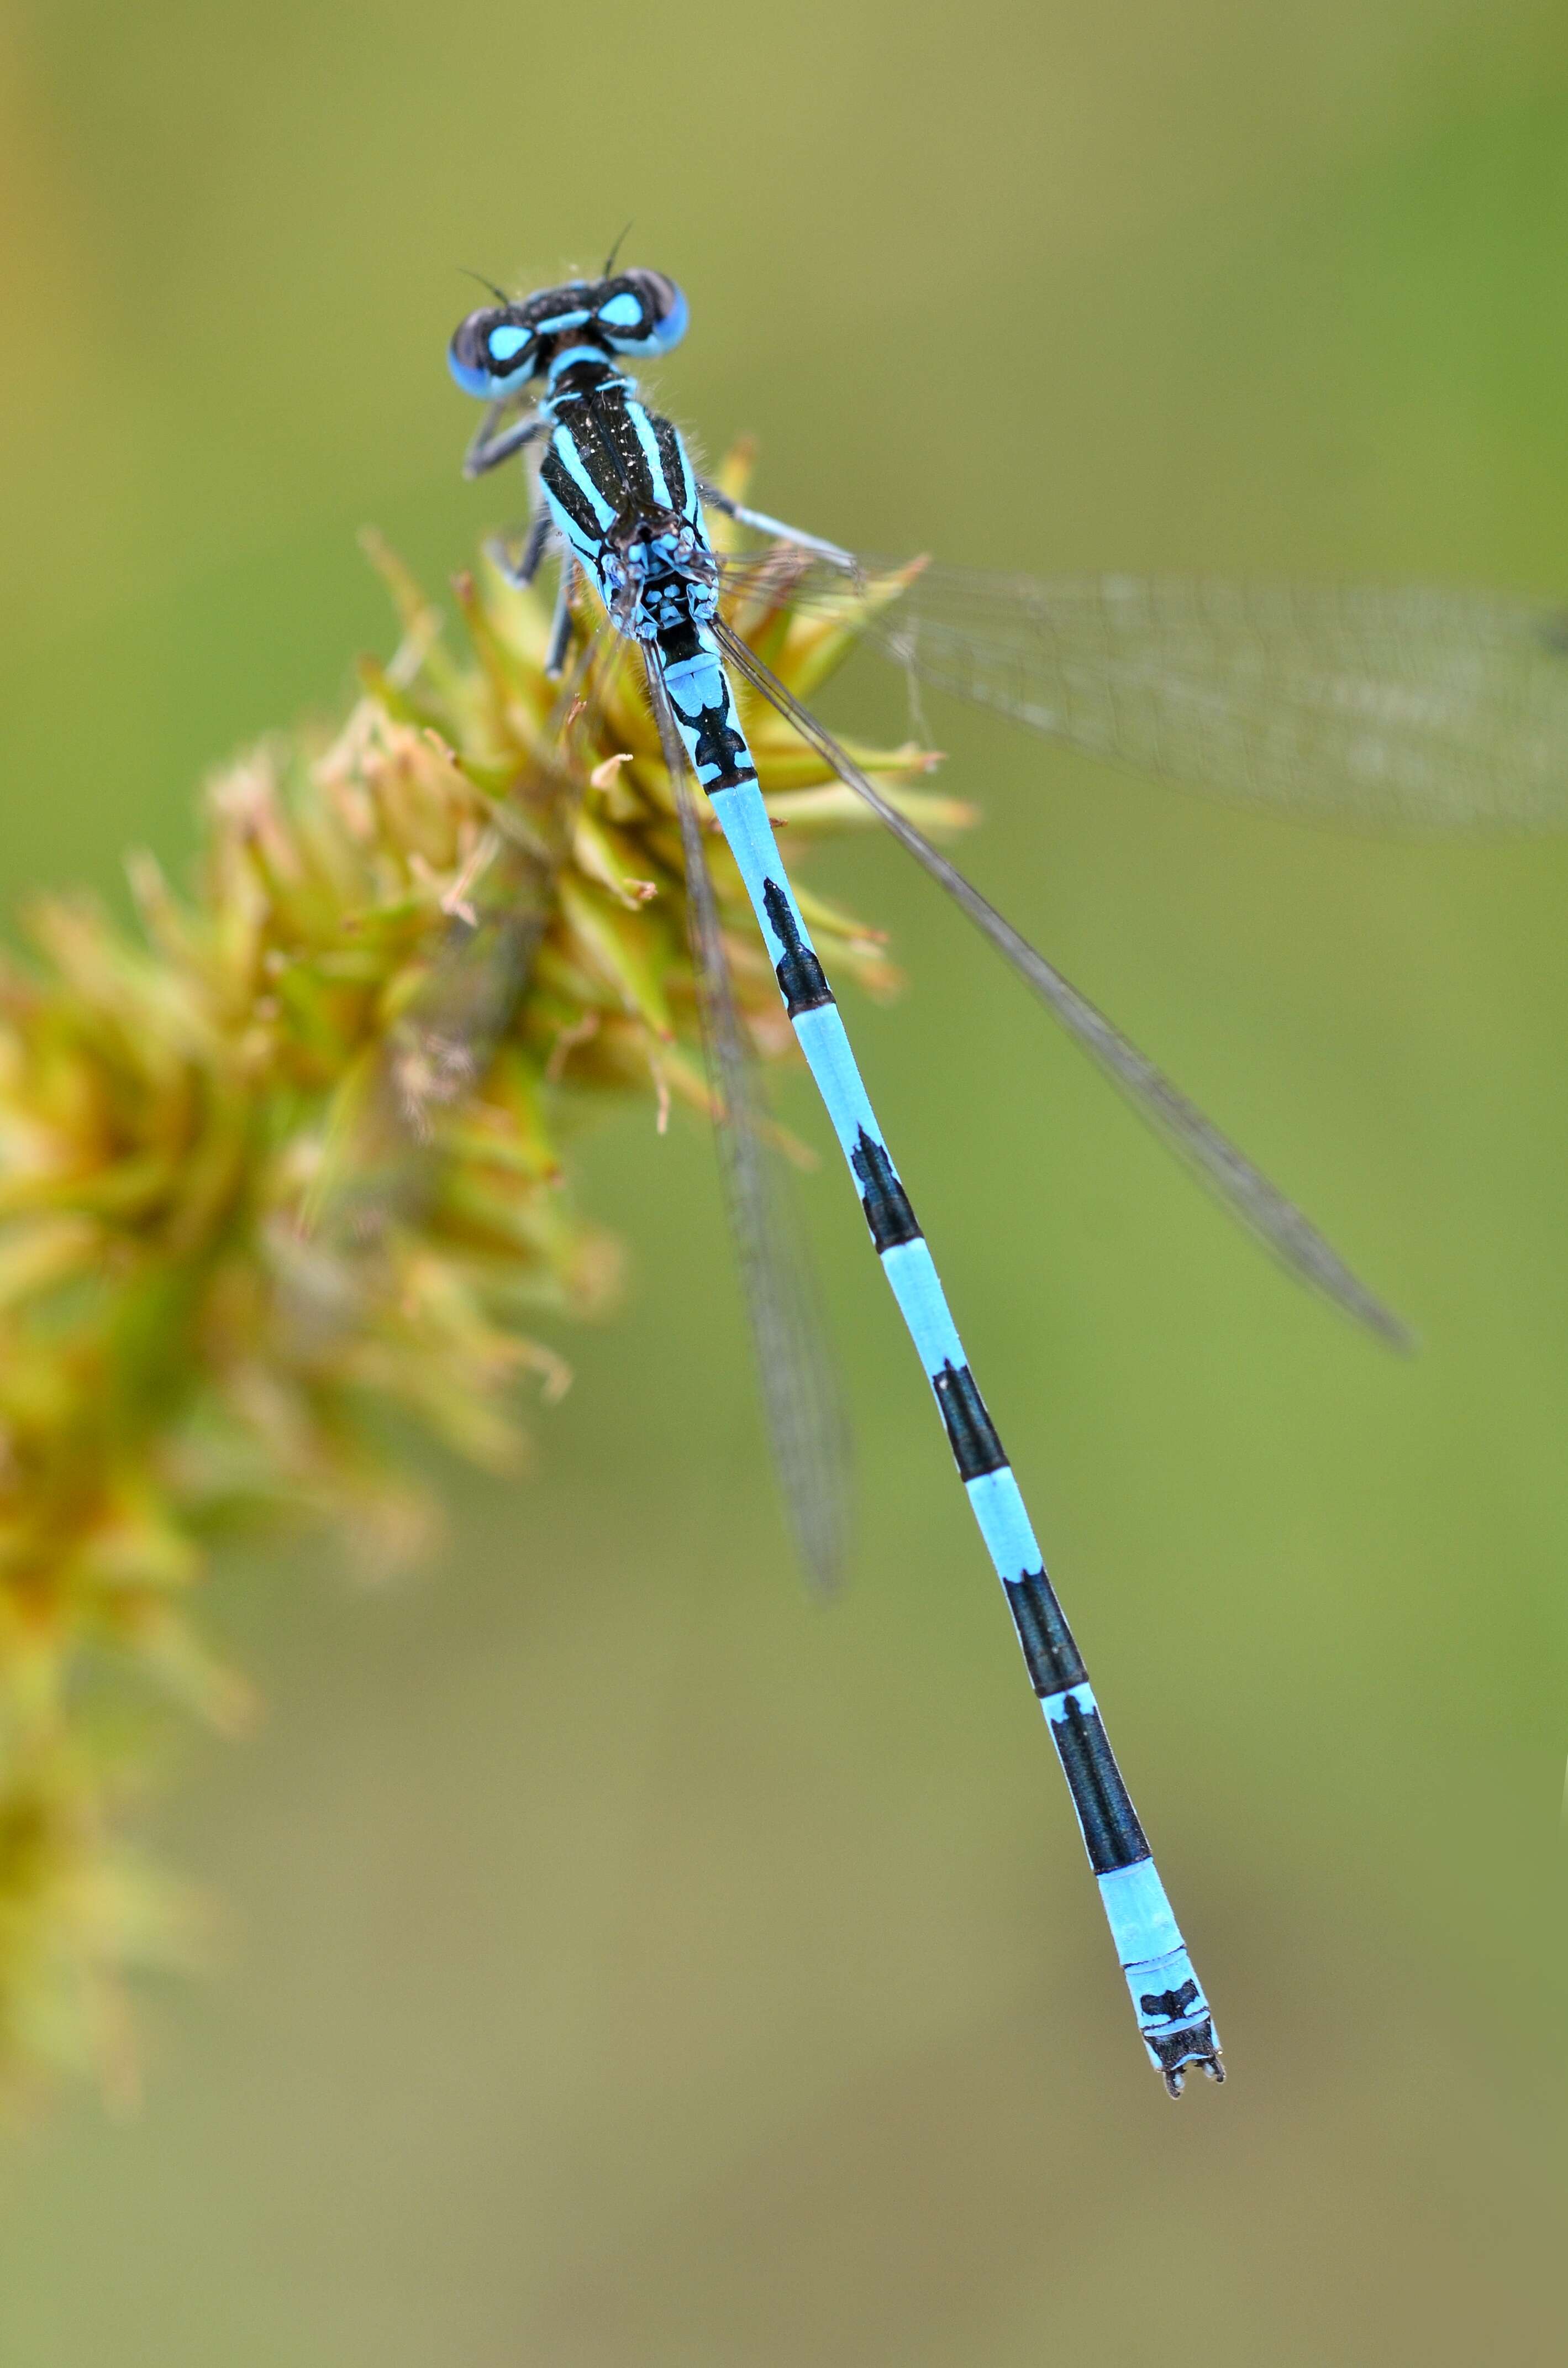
(670, 459)
(1112, 1835)
(882, 1197)
(972, 1434)
(801, 980)
(1051, 1653)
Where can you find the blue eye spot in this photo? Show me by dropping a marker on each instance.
(507, 342)
(622, 311)
(561, 321)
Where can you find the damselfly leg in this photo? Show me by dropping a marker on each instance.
(521, 572)
(494, 443)
(561, 619)
(760, 523)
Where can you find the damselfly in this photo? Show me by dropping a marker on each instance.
(1426, 708)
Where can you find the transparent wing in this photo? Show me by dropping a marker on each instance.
(1404, 707)
(801, 1403)
(1243, 1189)
(381, 1165)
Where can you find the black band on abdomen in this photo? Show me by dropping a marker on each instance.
(1112, 1835)
(972, 1434)
(1051, 1652)
(882, 1197)
(801, 979)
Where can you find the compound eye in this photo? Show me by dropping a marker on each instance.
(660, 308)
(488, 348)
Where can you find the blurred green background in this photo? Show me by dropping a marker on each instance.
(629, 1961)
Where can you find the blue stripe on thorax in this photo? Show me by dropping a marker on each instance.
(566, 451)
(642, 426)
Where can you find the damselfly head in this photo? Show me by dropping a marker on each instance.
(498, 349)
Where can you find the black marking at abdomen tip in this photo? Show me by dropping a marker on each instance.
(972, 1434)
(1171, 2005)
(801, 981)
(1051, 1653)
(882, 1197)
(1112, 1835)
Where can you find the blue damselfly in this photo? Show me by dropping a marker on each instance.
(1410, 707)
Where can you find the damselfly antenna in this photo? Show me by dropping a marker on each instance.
(615, 250)
(499, 293)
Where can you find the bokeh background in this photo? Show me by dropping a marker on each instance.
(627, 1960)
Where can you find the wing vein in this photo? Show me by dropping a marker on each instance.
(803, 1406)
(1243, 1188)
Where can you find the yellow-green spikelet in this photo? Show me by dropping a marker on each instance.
(256, 1185)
